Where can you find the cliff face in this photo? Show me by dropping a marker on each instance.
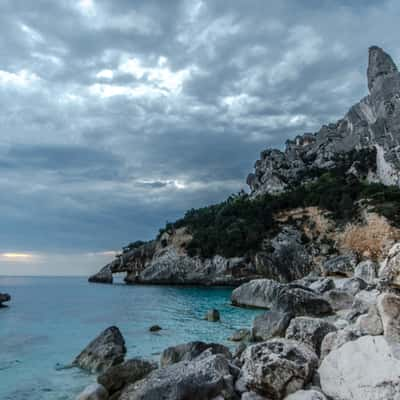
(373, 123)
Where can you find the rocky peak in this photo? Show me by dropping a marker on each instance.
(380, 65)
(373, 124)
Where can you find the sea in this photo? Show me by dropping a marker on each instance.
(51, 319)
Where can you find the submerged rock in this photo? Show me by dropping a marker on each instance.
(130, 371)
(155, 328)
(364, 369)
(4, 298)
(276, 368)
(240, 335)
(106, 350)
(199, 379)
(212, 316)
(190, 351)
(94, 392)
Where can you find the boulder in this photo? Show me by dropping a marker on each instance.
(301, 301)
(269, 325)
(259, 293)
(322, 285)
(389, 310)
(276, 368)
(364, 369)
(240, 335)
(334, 340)
(94, 392)
(306, 395)
(130, 371)
(364, 300)
(389, 273)
(371, 323)
(354, 285)
(367, 271)
(309, 331)
(190, 351)
(343, 265)
(199, 379)
(4, 298)
(339, 299)
(212, 316)
(106, 350)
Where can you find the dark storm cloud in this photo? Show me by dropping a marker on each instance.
(117, 116)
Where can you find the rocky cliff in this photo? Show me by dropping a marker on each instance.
(284, 229)
(373, 123)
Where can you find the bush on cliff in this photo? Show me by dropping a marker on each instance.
(237, 226)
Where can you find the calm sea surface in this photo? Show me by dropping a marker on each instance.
(50, 320)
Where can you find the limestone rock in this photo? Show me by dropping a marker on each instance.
(371, 323)
(364, 369)
(343, 265)
(389, 274)
(389, 309)
(371, 125)
(367, 271)
(306, 395)
(334, 340)
(103, 276)
(310, 331)
(130, 371)
(189, 351)
(276, 368)
(339, 299)
(289, 298)
(252, 396)
(94, 392)
(106, 350)
(364, 300)
(322, 285)
(200, 379)
(269, 325)
(354, 285)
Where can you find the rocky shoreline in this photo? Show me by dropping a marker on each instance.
(322, 337)
(324, 264)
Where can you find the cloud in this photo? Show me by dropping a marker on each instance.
(118, 116)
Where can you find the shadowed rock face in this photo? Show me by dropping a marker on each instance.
(373, 123)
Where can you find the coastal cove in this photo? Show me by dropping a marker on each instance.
(35, 345)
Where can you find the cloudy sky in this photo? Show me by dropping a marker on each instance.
(117, 116)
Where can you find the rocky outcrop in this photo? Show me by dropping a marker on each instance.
(367, 271)
(117, 377)
(343, 265)
(200, 379)
(105, 351)
(4, 298)
(288, 298)
(190, 351)
(105, 275)
(389, 274)
(388, 305)
(276, 368)
(364, 369)
(372, 124)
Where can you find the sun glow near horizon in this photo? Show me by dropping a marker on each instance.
(17, 257)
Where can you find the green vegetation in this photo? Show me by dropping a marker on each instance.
(237, 226)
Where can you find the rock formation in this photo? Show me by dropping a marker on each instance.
(4, 298)
(372, 124)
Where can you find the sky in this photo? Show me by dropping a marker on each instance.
(117, 116)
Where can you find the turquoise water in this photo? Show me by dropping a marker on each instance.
(50, 320)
